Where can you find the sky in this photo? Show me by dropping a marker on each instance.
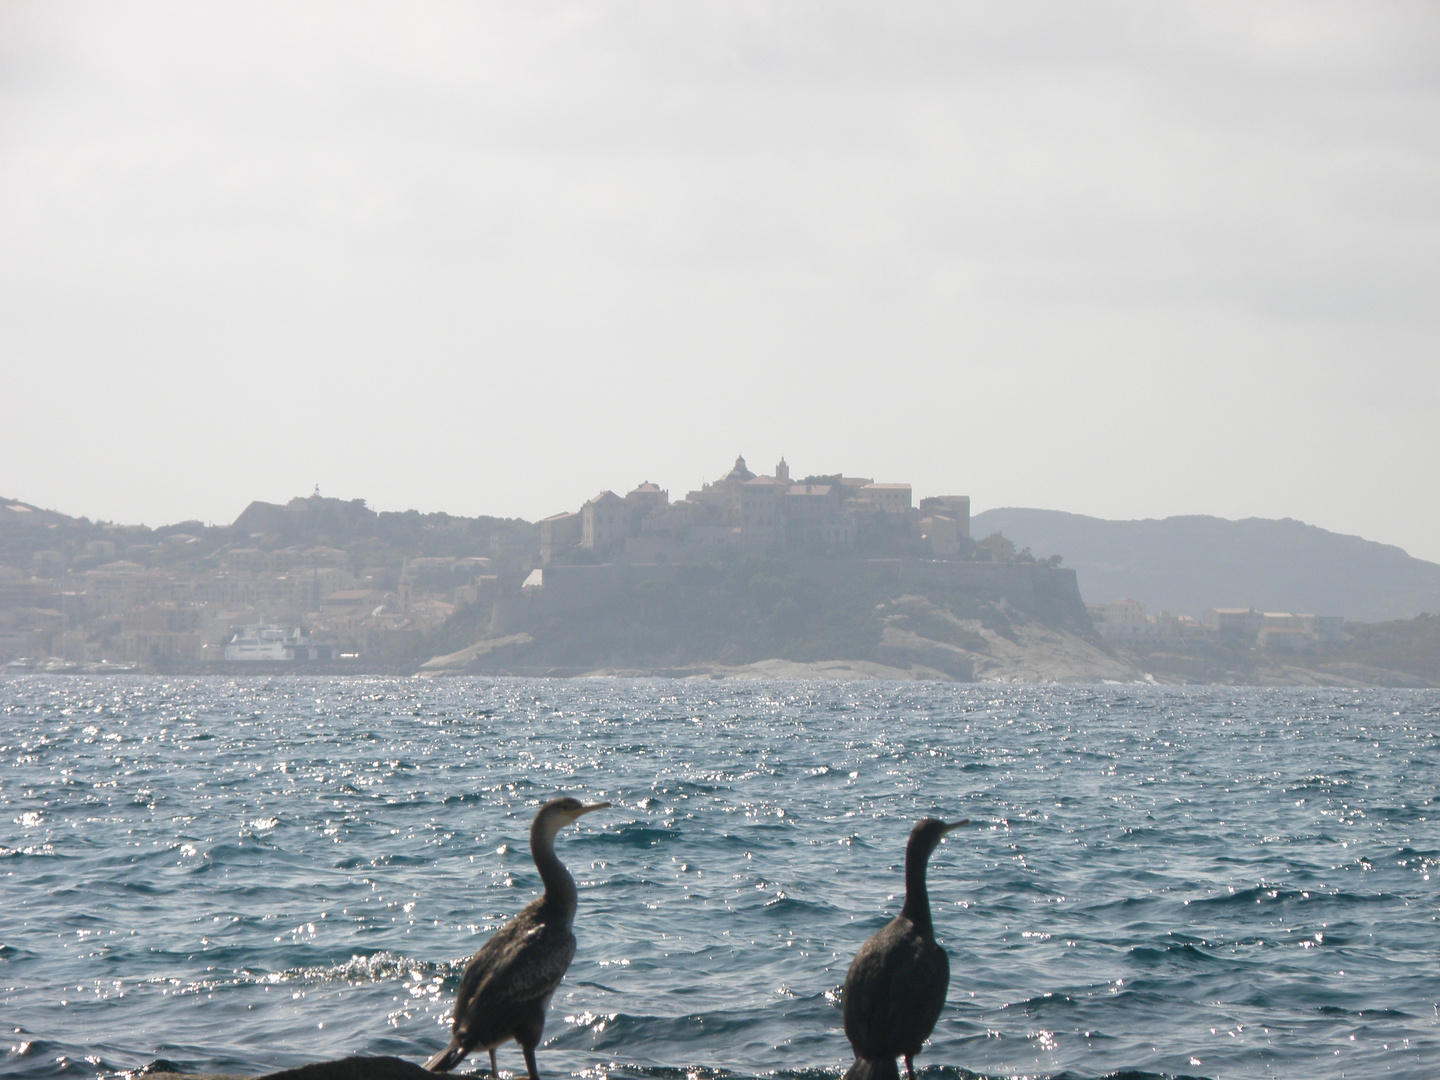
(1121, 259)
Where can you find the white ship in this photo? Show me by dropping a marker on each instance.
(271, 644)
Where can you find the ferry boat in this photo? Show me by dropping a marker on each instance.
(271, 644)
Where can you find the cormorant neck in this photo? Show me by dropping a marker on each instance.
(917, 896)
(559, 885)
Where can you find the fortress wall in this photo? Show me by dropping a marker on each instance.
(1016, 583)
(569, 589)
(1012, 583)
(1048, 592)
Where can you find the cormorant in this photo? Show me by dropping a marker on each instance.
(895, 988)
(508, 983)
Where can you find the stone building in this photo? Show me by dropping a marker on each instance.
(558, 533)
(954, 507)
(764, 514)
(604, 521)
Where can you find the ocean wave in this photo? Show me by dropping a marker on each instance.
(299, 885)
(632, 836)
(358, 970)
(787, 907)
(1152, 955)
(357, 863)
(606, 1031)
(31, 850)
(1262, 895)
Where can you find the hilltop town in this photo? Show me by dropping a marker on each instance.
(825, 574)
(333, 582)
(772, 515)
(315, 579)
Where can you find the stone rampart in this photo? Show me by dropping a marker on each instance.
(1049, 593)
(570, 589)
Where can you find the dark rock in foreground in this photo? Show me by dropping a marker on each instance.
(350, 1068)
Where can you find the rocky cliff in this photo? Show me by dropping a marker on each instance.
(883, 618)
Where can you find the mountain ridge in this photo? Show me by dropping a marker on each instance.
(1188, 563)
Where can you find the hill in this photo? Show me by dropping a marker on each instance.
(1187, 564)
(892, 618)
(17, 513)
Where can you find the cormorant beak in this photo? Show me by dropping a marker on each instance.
(592, 806)
(956, 825)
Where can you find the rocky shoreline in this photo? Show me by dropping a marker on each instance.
(1029, 654)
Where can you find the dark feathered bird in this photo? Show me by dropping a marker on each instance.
(508, 983)
(895, 988)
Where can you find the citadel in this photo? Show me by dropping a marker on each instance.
(820, 515)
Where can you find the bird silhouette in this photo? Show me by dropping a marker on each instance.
(895, 988)
(507, 984)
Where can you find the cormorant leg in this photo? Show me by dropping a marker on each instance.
(528, 1032)
(909, 1067)
(494, 1071)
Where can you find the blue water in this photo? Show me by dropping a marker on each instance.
(247, 875)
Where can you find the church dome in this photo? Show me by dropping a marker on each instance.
(740, 472)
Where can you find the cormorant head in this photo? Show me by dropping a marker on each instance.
(557, 813)
(925, 837)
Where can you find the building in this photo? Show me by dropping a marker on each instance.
(558, 533)
(724, 494)
(364, 599)
(1284, 630)
(762, 510)
(1284, 639)
(604, 522)
(814, 518)
(1237, 622)
(763, 514)
(955, 507)
(889, 498)
(1123, 619)
(646, 498)
(942, 535)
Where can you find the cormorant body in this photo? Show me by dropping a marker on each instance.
(895, 988)
(507, 984)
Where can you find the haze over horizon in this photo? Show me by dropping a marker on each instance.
(1118, 260)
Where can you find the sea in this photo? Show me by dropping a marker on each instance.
(243, 875)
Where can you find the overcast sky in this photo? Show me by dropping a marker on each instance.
(1128, 260)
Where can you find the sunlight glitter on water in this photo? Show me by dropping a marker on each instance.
(1164, 877)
